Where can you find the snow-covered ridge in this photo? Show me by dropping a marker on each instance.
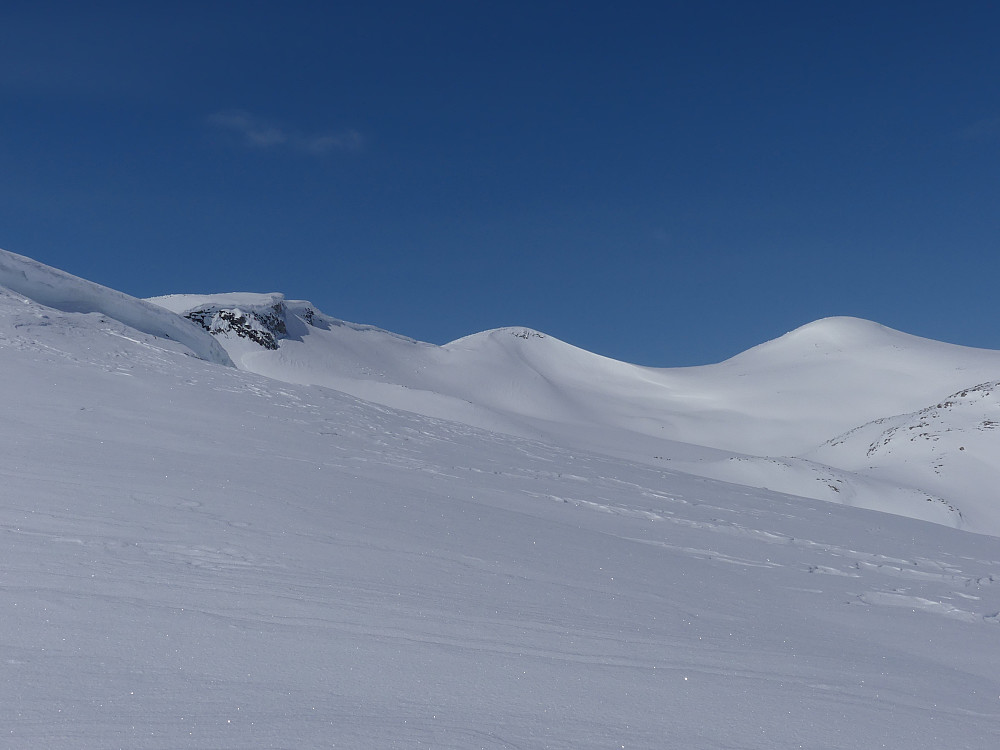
(63, 291)
(785, 397)
(764, 418)
(259, 318)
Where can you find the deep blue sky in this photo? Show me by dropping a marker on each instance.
(665, 183)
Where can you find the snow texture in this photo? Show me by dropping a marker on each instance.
(62, 291)
(758, 419)
(204, 557)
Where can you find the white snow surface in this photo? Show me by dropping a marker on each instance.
(752, 419)
(780, 398)
(203, 557)
(62, 291)
(947, 450)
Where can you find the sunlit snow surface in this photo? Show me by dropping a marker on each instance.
(196, 556)
(765, 418)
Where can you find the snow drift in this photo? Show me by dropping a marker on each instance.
(62, 291)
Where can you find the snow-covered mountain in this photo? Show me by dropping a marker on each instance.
(745, 420)
(200, 555)
(780, 398)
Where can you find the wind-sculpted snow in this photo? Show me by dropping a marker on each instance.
(201, 557)
(62, 291)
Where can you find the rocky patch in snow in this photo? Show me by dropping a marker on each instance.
(262, 326)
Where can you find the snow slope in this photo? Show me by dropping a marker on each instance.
(753, 419)
(197, 556)
(797, 391)
(948, 450)
(62, 291)
(783, 397)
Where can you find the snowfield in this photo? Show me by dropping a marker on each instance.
(358, 540)
(762, 419)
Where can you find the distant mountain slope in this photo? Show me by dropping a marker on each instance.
(950, 449)
(797, 391)
(783, 397)
(731, 421)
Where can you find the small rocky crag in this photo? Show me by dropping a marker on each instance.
(263, 326)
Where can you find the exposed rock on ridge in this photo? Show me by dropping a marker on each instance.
(263, 327)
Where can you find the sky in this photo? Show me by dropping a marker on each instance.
(663, 183)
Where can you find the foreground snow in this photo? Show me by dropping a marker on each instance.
(197, 556)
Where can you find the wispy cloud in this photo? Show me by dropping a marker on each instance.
(987, 129)
(261, 133)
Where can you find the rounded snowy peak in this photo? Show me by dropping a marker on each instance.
(839, 337)
(520, 343)
(840, 325)
(842, 332)
(499, 334)
(526, 353)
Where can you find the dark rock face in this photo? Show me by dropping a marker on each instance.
(263, 327)
(273, 319)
